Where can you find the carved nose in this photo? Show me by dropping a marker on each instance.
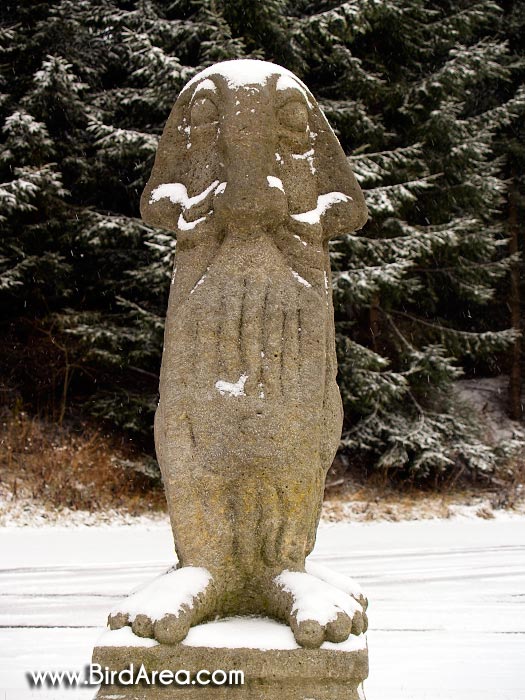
(251, 200)
(253, 195)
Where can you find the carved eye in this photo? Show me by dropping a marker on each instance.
(204, 112)
(294, 115)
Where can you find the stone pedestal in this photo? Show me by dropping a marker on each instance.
(274, 667)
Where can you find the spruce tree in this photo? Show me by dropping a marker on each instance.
(413, 288)
(410, 88)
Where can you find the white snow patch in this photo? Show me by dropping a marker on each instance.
(231, 633)
(275, 182)
(419, 575)
(341, 581)
(184, 225)
(324, 202)
(278, 158)
(307, 155)
(220, 188)
(247, 73)
(288, 81)
(300, 240)
(206, 85)
(300, 279)
(255, 633)
(285, 83)
(168, 593)
(201, 281)
(303, 156)
(487, 397)
(314, 599)
(177, 193)
(124, 637)
(232, 388)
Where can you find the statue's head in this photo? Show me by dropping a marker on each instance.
(246, 146)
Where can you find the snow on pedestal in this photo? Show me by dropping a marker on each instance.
(260, 633)
(274, 667)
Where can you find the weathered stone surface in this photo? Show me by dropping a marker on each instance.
(253, 181)
(270, 674)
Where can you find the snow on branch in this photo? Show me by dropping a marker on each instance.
(371, 168)
(466, 65)
(470, 343)
(116, 141)
(20, 194)
(386, 200)
(361, 283)
(152, 60)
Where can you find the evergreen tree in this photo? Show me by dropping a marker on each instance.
(413, 288)
(511, 146)
(420, 94)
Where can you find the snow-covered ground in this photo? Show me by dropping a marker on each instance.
(488, 398)
(447, 601)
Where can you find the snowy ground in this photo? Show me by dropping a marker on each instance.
(447, 601)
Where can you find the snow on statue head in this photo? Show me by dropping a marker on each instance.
(253, 181)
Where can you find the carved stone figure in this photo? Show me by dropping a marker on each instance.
(252, 179)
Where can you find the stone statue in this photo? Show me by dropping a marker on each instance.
(252, 179)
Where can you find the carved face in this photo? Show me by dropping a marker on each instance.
(246, 151)
(247, 140)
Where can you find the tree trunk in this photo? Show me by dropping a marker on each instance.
(515, 380)
(375, 328)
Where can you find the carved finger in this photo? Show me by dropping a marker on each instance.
(252, 336)
(206, 351)
(270, 525)
(312, 348)
(180, 344)
(290, 347)
(230, 325)
(273, 343)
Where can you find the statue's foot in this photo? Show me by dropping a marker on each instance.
(166, 608)
(316, 609)
(344, 583)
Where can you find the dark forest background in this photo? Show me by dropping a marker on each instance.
(428, 100)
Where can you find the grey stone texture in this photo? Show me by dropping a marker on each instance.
(300, 674)
(251, 178)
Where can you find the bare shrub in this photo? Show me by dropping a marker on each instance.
(62, 468)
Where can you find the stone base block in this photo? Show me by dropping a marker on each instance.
(274, 667)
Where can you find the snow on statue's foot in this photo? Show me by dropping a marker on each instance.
(166, 608)
(344, 583)
(317, 610)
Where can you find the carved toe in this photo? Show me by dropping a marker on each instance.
(142, 626)
(172, 629)
(117, 620)
(308, 633)
(339, 630)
